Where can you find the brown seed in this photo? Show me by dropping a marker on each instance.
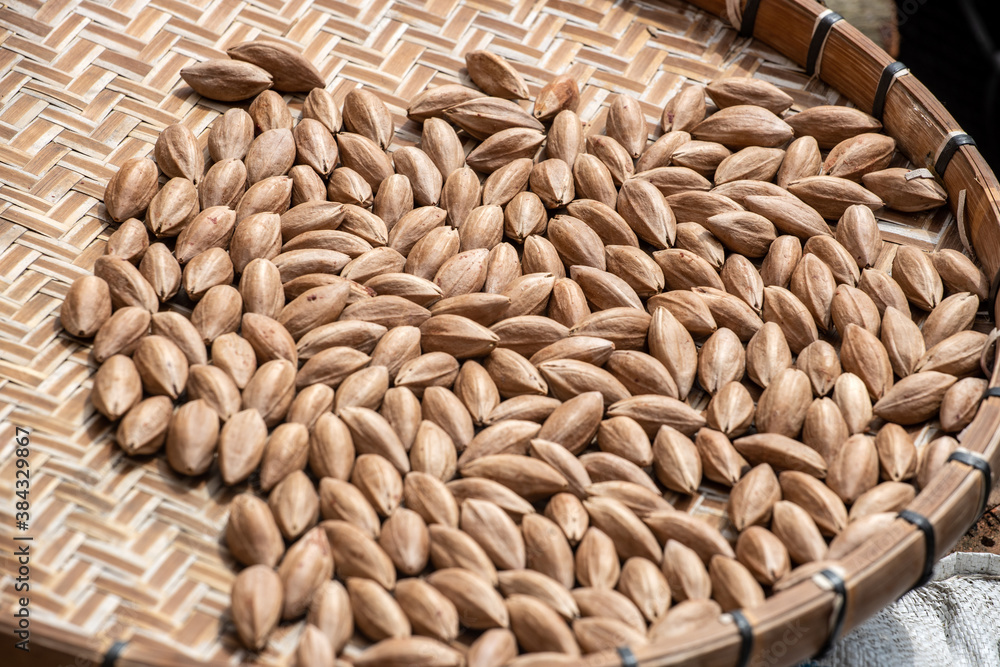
(529, 478)
(607, 467)
(886, 497)
(731, 410)
(495, 75)
(256, 604)
(782, 407)
(959, 273)
(703, 157)
(270, 390)
(627, 125)
(802, 159)
(432, 102)
(798, 532)
(782, 453)
(731, 312)
(781, 259)
(295, 505)
(851, 396)
(832, 124)
(290, 70)
(330, 611)
(502, 147)
(903, 193)
(676, 461)
(767, 354)
(428, 497)
(860, 532)
(235, 355)
(722, 360)
(287, 451)
(697, 239)
(854, 468)
(641, 373)
(864, 355)
(574, 423)
(121, 332)
(117, 387)
(340, 501)
(818, 500)
(379, 481)
(538, 627)
(933, 458)
(763, 554)
(178, 154)
(559, 94)
(752, 162)
(896, 453)
(567, 512)
(685, 572)
(597, 560)
(915, 398)
(400, 652)
(731, 91)
(629, 535)
(743, 125)
(143, 428)
(960, 403)
(592, 179)
(126, 284)
(206, 270)
(430, 613)
(192, 438)
(860, 155)
(788, 312)
(377, 615)
(953, 315)
(704, 539)
(858, 232)
(541, 587)
(684, 110)
(479, 606)
(883, 290)
(824, 429)
(913, 270)
(331, 449)
(614, 156)
(851, 305)
(753, 497)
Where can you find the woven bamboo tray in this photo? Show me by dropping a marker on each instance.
(126, 557)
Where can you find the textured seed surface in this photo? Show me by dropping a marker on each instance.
(473, 381)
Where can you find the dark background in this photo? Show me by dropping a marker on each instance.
(953, 47)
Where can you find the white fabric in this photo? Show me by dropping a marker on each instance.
(953, 621)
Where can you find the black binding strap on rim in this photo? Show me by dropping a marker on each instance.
(839, 586)
(947, 152)
(974, 460)
(820, 34)
(115, 652)
(749, 18)
(746, 637)
(628, 658)
(889, 75)
(921, 522)
(992, 392)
